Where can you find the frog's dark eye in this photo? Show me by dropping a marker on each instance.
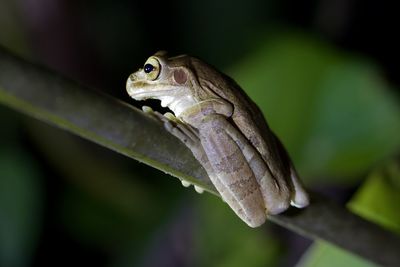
(148, 68)
(152, 68)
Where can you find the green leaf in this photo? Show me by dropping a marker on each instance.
(12, 28)
(356, 122)
(20, 207)
(379, 197)
(323, 254)
(223, 240)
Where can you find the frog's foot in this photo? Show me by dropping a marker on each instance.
(300, 198)
(155, 114)
(187, 134)
(184, 132)
(171, 122)
(197, 188)
(147, 109)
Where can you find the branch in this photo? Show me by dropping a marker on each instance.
(47, 96)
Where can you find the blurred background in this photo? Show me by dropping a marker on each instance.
(324, 72)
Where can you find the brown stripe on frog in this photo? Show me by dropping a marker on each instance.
(244, 187)
(241, 175)
(235, 161)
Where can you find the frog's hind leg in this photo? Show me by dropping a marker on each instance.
(234, 178)
(274, 188)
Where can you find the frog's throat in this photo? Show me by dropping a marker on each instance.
(178, 105)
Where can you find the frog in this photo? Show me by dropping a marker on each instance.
(226, 133)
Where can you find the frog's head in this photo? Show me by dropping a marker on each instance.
(171, 80)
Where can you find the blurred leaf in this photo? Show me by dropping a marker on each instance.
(12, 32)
(107, 200)
(378, 201)
(20, 207)
(12, 120)
(225, 241)
(325, 255)
(379, 198)
(283, 78)
(356, 122)
(240, 26)
(93, 169)
(334, 113)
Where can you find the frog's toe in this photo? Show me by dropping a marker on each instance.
(185, 183)
(199, 189)
(300, 200)
(170, 116)
(155, 114)
(147, 109)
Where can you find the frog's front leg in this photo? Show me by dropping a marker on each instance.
(240, 175)
(187, 135)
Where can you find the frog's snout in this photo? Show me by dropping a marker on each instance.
(130, 83)
(132, 77)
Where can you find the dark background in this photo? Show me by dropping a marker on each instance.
(324, 72)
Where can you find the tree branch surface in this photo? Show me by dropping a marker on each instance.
(47, 96)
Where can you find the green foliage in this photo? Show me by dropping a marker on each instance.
(225, 241)
(20, 206)
(379, 197)
(334, 112)
(378, 201)
(325, 255)
(11, 32)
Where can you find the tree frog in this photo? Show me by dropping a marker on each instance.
(226, 133)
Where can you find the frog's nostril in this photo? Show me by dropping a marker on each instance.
(132, 77)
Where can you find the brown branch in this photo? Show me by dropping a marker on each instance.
(43, 94)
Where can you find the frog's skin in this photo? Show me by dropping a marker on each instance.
(225, 131)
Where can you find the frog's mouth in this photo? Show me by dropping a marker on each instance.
(147, 95)
(154, 104)
(141, 93)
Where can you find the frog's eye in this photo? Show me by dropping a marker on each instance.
(152, 68)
